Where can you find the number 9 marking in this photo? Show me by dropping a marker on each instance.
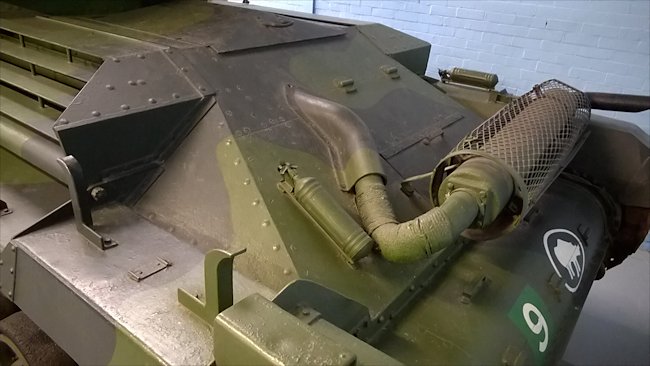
(538, 326)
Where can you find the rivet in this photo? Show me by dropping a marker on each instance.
(11, 270)
(266, 223)
(141, 82)
(256, 202)
(307, 312)
(13, 248)
(237, 161)
(125, 106)
(221, 124)
(176, 95)
(140, 56)
(10, 294)
(110, 87)
(63, 121)
(286, 271)
(382, 319)
(184, 69)
(168, 51)
(95, 113)
(2, 262)
(276, 248)
(228, 142)
(152, 101)
(131, 82)
(115, 59)
(247, 181)
(412, 288)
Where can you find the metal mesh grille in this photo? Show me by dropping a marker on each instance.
(533, 134)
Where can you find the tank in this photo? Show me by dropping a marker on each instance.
(193, 183)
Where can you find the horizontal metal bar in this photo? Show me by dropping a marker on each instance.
(40, 86)
(34, 149)
(47, 60)
(28, 112)
(619, 102)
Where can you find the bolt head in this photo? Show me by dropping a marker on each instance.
(98, 193)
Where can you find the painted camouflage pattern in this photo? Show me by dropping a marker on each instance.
(216, 188)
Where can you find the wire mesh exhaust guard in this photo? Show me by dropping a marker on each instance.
(532, 137)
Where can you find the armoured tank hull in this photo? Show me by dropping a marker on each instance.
(183, 185)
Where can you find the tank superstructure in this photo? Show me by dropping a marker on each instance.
(218, 182)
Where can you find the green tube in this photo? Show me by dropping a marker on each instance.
(472, 77)
(32, 148)
(321, 207)
(418, 238)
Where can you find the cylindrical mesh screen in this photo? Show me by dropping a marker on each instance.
(533, 134)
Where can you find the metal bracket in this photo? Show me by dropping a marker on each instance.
(148, 269)
(406, 186)
(80, 200)
(4, 209)
(8, 271)
(474, 288)
(218, 286)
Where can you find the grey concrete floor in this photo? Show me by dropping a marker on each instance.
(614, 326)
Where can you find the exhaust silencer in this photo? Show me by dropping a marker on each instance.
(532, 138)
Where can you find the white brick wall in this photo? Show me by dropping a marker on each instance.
(592, 45)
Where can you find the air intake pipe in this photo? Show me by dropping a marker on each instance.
(485, 185)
